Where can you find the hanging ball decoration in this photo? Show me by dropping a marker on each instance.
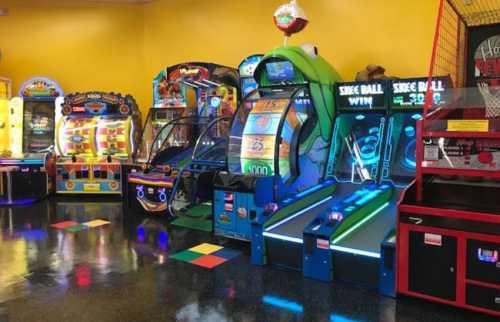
(290, 18)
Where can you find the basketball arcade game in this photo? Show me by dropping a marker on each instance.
(175, 166)
(448, 241)
(96, 133)
(29, 133)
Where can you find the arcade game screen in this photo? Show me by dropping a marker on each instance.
(112, 137)
(259, 137)
(77, 136)
(280, 71)
(38, 127)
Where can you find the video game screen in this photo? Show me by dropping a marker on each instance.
(356, 147)
(113, 137)
(259, 137)
(248, 84)
(77, 136)
(280, 71)
(38, 127)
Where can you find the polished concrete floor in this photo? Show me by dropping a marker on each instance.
(121, 272)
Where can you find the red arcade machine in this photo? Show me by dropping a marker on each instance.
(448, 244)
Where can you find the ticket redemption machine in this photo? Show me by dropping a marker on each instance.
(204, 96)
(278, 144)
(168, 102)
(27, 162)
(96, 133)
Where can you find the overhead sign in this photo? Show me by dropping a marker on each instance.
(411, 92)
(362, 95)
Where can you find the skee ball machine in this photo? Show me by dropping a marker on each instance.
(448, 244)
(96, 133)
(28, 139)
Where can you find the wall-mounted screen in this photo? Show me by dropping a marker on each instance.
(280, 71)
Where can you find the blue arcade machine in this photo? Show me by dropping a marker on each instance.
(278, 144)
(304, 240)
(364, 253)
(246, 70)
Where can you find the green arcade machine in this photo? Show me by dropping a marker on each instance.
(352, 239)
(278, 146)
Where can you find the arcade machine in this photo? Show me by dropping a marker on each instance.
(448, 241)
(189, 146)
(340, 237)
(168, 102)
(279, 141)
(246, 71)
(95, 134)
(304, 240)
(26, 163)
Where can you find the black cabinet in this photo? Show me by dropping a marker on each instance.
(432, 265)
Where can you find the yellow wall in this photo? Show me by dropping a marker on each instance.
(121, 47)
(83, 46)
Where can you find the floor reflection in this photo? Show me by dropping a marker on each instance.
(121, 271)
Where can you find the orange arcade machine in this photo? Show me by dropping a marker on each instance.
(27, 141)
(96, 133)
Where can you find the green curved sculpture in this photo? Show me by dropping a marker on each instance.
(318, 73)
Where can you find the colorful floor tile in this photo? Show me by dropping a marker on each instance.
(186, 256)
(208, 261)
(206, 255)
(96, 223)
(64, 224)
(75, 228)
(227, 253)
(205, 248)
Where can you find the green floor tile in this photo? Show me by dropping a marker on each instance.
(75, 229)
(186, 256)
